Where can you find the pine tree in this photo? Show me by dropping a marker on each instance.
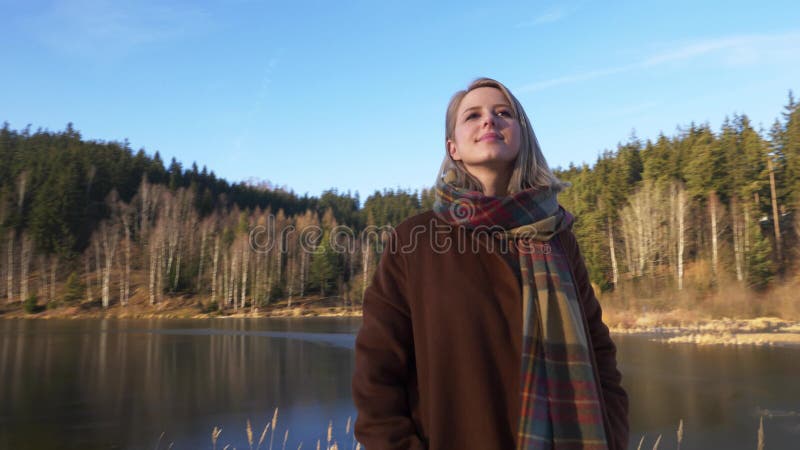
(74, 289)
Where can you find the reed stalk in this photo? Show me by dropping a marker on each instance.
(249, 434)
(214, 436)
(158, 442)
(761, 433)
(274, 423)
(263, 435)
(347, 431)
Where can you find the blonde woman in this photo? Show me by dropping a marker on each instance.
(480, 328)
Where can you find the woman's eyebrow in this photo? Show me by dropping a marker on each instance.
(479, 107)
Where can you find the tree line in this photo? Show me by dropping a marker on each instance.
(96, 222)
(719, 206)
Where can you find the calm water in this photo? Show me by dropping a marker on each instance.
(87, 384)
(719, 392)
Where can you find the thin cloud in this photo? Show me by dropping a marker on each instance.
(735, 50)
(259, 98)
(550, 16)
(105, 27)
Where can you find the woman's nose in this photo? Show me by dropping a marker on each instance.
(488, 119)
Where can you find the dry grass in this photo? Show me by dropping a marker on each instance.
(679, 433)
(331, 442)
(681, 327)
(180, 307)
(707, 314)
(729, 299)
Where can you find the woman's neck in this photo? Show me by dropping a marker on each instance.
(495, 184)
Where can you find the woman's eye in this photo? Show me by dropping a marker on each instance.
(472, 116)
(504, 113)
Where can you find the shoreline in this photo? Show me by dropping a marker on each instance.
(760, 331)
(180, 309)
(671, 327)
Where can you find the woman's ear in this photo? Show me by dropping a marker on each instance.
(452, 150)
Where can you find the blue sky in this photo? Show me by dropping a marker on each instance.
(351, 94)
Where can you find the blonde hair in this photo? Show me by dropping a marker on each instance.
(530, 167)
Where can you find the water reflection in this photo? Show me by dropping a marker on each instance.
(717, 391)
(119, 384)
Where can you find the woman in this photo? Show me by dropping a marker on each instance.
(480, 328)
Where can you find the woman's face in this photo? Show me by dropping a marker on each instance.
(487, 134)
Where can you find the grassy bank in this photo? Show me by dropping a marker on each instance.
(727, 314)
(183, 308)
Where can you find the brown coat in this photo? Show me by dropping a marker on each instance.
(437, 362)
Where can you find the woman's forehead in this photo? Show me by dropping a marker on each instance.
(482, 96)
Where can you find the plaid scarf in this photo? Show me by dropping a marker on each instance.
(560, 407)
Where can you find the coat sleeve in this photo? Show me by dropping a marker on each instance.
(614, 396)
(384, 363)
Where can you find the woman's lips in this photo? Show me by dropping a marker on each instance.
(490, 137)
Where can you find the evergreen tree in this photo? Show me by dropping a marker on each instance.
(760, 267)
(325, 266)
(74, 289)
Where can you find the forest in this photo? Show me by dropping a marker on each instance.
(97, 224)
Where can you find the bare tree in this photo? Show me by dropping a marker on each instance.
(201, 258)
(738, 239)
(775, 217)
(10, 266)
(259, 282)
(126, 216)
(43, 278)
(232, 278)
(245, 252)
(108, 234)
(268, 268)
(22, 189)
(87, 269)
(306, 220)
(679, 198)
(713, 208)
(614, 267)
(25, 262)
(646, 225)
(22, 183)
(215, 269)
(170, 218)
(98, 271)
(156, 250)
(53, 267)
(4, 270)
(146, 196)
(183, 222)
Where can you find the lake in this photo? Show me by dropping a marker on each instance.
(99, 384)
